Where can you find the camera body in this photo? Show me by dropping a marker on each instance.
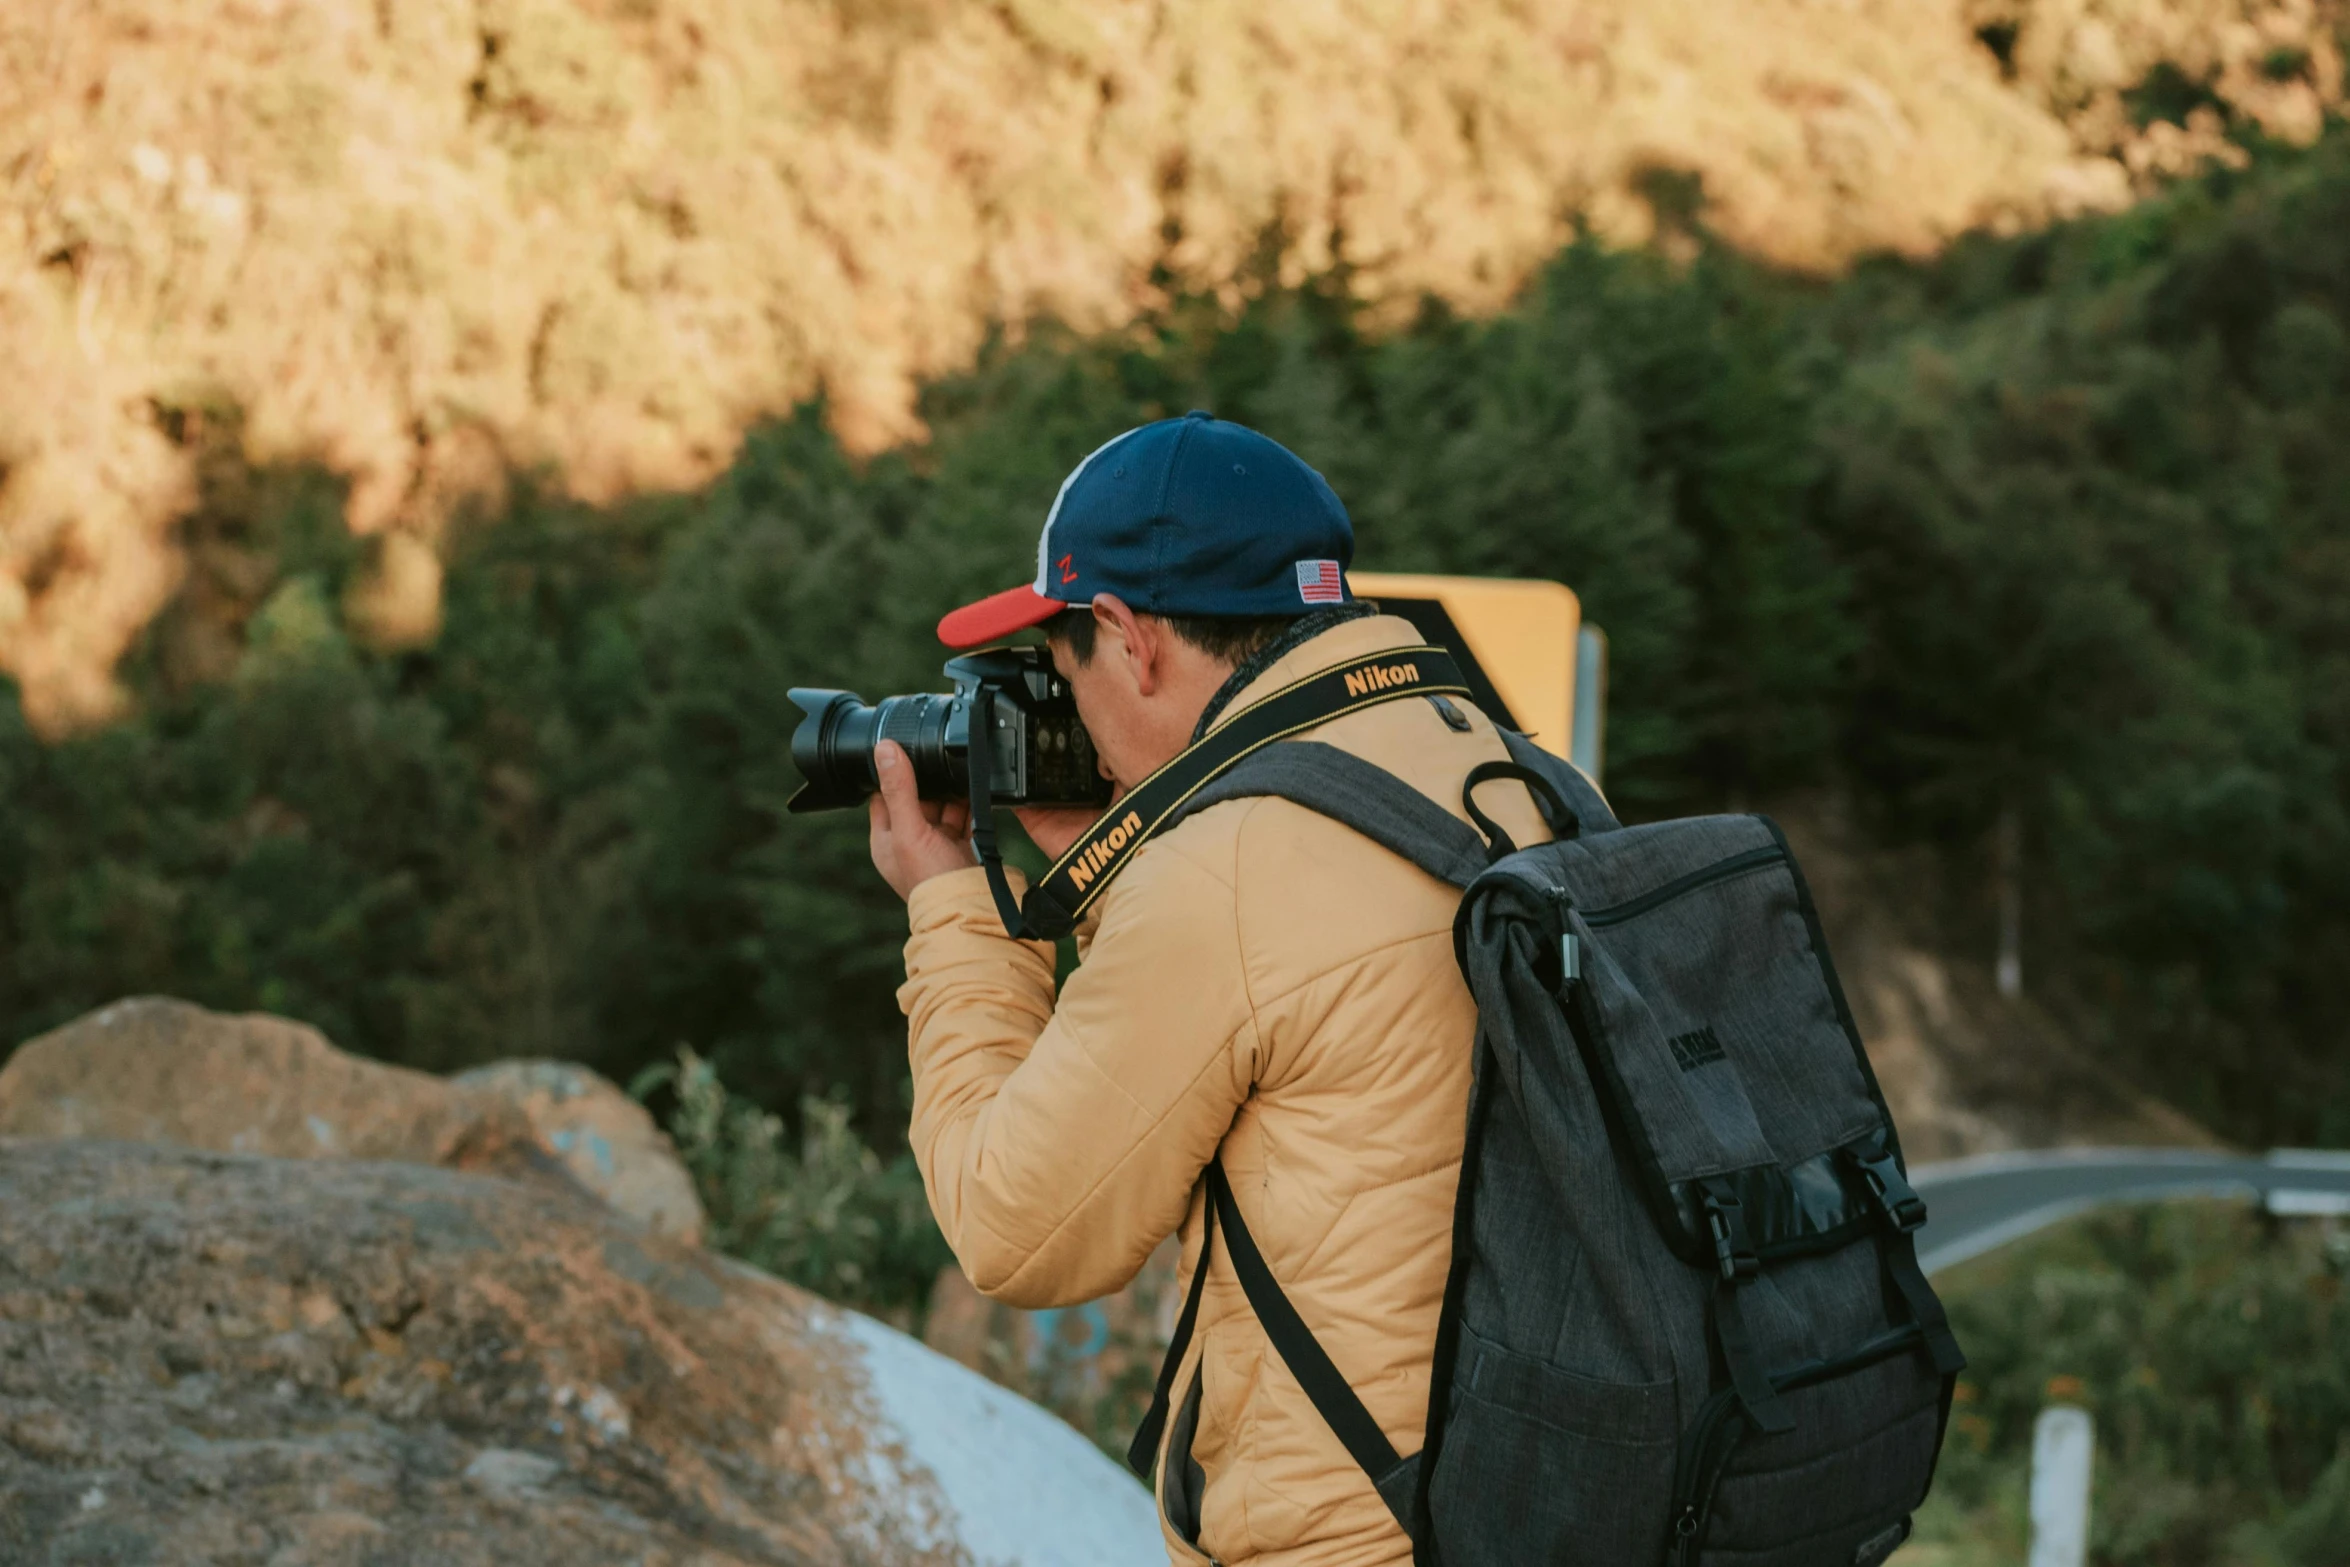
(1034, 749)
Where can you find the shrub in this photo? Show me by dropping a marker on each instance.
(828, 1214)
(2212, 1347)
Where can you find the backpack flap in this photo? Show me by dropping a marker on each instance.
(1704, 1014)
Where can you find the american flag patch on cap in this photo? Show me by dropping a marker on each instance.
(1318, 582)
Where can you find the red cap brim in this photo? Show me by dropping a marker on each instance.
(996, 617)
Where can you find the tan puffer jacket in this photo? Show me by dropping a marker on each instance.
(1261, 981)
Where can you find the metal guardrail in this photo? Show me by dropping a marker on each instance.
(1978, 1204)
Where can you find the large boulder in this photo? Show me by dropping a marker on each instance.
(228, 1360)
(605, 1139)
(155, 1070)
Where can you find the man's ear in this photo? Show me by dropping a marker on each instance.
(1124, 634)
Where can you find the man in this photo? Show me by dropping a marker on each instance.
(1258, 984)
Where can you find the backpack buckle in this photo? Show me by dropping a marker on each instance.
(1894, 1197)
(1733, 1250)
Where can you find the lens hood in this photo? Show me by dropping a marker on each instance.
(826, 783)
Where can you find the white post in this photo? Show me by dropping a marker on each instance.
(2062, 1441)
(2010, 856)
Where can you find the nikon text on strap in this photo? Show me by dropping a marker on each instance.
(1056, 902)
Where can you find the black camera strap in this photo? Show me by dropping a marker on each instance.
(1060, 899)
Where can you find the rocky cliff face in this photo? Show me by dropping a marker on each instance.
(426, 243)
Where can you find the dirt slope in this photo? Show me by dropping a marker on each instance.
(1965, 1070)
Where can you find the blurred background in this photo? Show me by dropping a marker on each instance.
(434, 433)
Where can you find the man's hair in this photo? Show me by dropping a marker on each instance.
(1232, 639)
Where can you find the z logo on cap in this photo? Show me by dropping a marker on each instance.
(1318, 582)
(1068, 570)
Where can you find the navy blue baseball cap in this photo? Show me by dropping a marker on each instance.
(1189, 516)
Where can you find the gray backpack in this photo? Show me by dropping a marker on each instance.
(1685, 1322)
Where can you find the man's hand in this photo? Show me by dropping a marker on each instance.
(914, 839)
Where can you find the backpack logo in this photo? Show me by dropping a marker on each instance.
(1696, 1048)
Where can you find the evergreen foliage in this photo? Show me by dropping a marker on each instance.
(2057, 524)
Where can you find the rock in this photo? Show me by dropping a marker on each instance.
(154, 1070)
(605, 1139)
(503, 1471)
(243, 1361)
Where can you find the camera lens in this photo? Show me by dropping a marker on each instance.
(833, 747)
(925, 725)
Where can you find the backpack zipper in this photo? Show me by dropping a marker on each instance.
(1570, 945)
(1706, 1453)
(1720, 870)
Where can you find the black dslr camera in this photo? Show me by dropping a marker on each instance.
(1032, 749)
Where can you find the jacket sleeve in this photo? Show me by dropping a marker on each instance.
(1061, 1144)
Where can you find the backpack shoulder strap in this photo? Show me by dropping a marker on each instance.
(1361, 795)
(1398, 817)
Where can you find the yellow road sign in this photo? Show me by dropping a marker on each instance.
(1521, 635)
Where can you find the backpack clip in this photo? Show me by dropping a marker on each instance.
(1734, 1254)
(1894, 1197)
(1733, 1249)
(1904, 1212)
